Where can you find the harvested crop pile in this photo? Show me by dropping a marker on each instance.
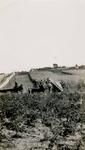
(58, 113)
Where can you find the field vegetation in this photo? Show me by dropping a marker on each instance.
(60, 112)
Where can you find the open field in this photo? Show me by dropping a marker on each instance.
(70, 76)
(65, 74)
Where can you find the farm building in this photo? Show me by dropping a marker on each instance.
(55, 65)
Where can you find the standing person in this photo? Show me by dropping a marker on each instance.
(49, 85)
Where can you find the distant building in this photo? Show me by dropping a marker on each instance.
(76, 66)
(55, 65)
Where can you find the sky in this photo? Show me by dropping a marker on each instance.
(38, 33)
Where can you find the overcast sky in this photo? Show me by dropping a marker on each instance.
(38, 33)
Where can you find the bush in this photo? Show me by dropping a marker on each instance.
(51, 109)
